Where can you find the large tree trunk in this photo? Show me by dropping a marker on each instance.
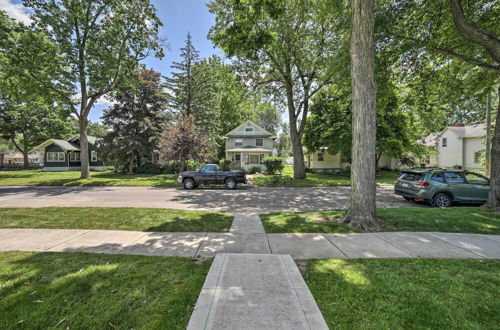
(362, 211)
(26, 160)
(494, 196)
(84, 150)
(299, 168)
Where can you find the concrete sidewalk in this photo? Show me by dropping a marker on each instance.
(299, 246)
(255, 291)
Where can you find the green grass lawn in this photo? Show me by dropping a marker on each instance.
(72, 178)
(115, 218)
(96, 291)
(455, 220)
(406, 294)
(325, 180)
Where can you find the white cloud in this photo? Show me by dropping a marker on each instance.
(15, 10)
(102, 100)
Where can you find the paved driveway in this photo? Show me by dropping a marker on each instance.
(259, 200)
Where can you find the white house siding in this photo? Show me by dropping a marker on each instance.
(329, 161)
(471, 146)
(452, 154)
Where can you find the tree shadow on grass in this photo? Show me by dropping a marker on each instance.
(79, 290)
(199, 223)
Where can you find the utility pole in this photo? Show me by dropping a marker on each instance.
(488, 134)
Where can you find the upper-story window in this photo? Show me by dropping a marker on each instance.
(248, 129)
(238, 143)
(259, 142)
(445, 142)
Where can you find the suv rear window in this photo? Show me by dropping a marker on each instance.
(437, 177)
(410, 176)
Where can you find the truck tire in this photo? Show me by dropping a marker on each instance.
(230, 183)
(188, 184)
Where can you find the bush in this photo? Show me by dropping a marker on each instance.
(224, 164)
(273, 181)
(193, 165)
(255, 170)
(274, 164)
(149, 168)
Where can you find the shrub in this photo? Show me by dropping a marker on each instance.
(224, 164)
(149, 168)
(193, 165)
(274, 164)
(255, 169)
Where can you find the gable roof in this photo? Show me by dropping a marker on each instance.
(66, 145)
(470, 131)
(257, 132)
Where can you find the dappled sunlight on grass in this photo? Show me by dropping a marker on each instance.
(404, 293)
(305, 222)
(89, 291)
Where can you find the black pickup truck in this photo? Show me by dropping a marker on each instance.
(210, 174)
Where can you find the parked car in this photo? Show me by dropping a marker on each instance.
(210, 174)
(441, 187)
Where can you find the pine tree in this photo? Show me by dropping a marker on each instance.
(134, 122)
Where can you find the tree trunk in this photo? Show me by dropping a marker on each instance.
(26, 160)
(494, 196)
(84, 149)
(299, 168)
(488, 134)
(362, 211)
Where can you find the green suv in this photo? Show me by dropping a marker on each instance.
(441, 187)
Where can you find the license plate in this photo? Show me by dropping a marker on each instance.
(404, 184)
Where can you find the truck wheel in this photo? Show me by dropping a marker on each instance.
(230, 183)
(189, 184)
(441, 200)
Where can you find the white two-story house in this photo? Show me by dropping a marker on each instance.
(247, 145)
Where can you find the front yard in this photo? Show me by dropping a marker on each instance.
(406, 294)
(454, 220)
(95, 291)
(72, 178)
(318, 179)
(116, 218)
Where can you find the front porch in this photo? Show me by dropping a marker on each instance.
(246, 160)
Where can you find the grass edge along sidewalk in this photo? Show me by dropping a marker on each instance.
(116, 218)
(477, 220)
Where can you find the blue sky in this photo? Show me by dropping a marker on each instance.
(178, 16)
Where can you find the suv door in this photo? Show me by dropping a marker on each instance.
(208, 174)
(458, 186)
(480, 186)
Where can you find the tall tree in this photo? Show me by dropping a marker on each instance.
(362, 210)
(134, 122)
(100, 42)
(181, 84)
(183, 140)
(285, 45)
(491, 44)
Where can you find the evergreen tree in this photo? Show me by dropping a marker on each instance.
(134, 122)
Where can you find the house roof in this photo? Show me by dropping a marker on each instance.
(258, 133)
(65, 145)
(470, 131)
(249, 149)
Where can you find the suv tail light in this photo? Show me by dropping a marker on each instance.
(422, 184)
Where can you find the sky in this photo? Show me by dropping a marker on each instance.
(178, 16)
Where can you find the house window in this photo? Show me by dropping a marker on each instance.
(320, 157)
(445, 142)
(477, 157)
(254, 159)
(262, 156)
(238, 143)
(238, 158)
(74, 157)
(248, 129)
(259, 142)
(55, 157)
(93, 156)
(426, 160)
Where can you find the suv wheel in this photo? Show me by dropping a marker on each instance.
(189, 184)
(230, 183)
(441, 200)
